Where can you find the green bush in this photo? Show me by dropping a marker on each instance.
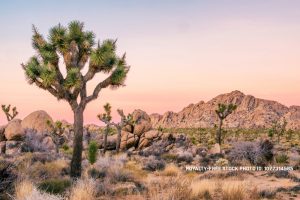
(169, 157)
(92, 152)
(67, 150)
(65, 147)
(55, 186)
(95, 173)
(281, 158)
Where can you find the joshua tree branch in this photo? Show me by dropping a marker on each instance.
(98, 88)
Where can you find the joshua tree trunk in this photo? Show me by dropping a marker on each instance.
(118, 139)
(105, 138)
(77, 145)
(219, 133)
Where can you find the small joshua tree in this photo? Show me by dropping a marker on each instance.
(106, 118)
(278, 129)
(6, 110)
(57, 133)
(76, 47)
(223, 111)
(92, 152)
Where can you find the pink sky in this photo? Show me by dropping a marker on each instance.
(177, 60)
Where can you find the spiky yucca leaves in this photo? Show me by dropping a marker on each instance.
(77, 49)
(75, 46)
(9, 115)
(105, 117)
(223, 111)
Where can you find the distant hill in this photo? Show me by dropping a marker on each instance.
(252, 112)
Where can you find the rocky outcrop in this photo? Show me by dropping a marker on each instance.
(37, 121)
(251, 113)
(142, 122)
(137, 135)
(140, 134)
(2, 136)
(14, 130)
(2, 147)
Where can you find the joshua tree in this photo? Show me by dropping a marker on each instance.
(57, 133)
(223, 111)
(106, 118)
(278, 128)
(6, 110)
(78, 50)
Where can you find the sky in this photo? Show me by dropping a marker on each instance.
(180, 52)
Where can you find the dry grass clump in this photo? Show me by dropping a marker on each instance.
(52, 169)
(234, 191)
(38, 170)
(171, 170)
(175, 188)
(84, 190)
(224, 189)
(204, 188)
(26, 190)
(136, 170)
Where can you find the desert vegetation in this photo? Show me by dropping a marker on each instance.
(222, 149)
(156, 169)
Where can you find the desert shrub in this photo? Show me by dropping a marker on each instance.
(205, 161)
(25, 190)
(153, 164)
(281, 174)
(8, 176)
(221, 162)
(33, 142)
(256, 153)
(65, 147)
(267, 194)
(116, 174)
(108, 161)
(55, 186)
(169, 156)
(67, 150)
(97, 173)
(266, 148)
(281, 158)
(185, 157)
(83, 190)
(92, 152)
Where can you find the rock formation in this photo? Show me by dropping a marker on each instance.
(37, 121)
(251, 113)
(29, 134)
(14, 130)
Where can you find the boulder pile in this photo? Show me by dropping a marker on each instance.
(23, 135)
(137, 135)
